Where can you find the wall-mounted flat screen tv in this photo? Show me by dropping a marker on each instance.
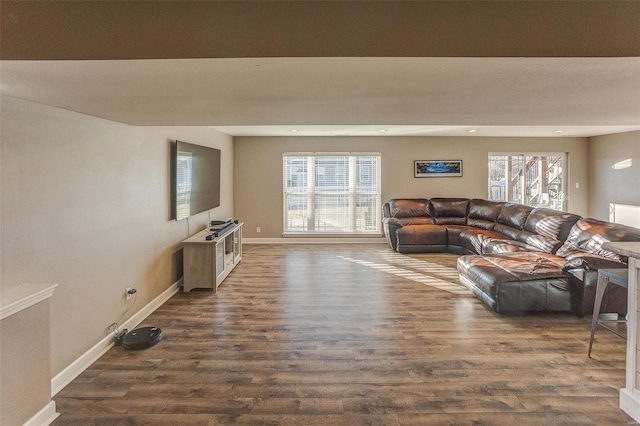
(195, 179)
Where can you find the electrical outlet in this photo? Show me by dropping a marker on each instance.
(130, 291)
(258, 229)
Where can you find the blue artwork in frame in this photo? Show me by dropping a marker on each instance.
(437, 168)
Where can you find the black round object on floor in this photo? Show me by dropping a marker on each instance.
(142, 338)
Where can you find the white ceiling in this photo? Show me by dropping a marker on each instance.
(345, 96)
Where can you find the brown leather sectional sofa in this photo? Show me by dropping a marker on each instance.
(516, 258)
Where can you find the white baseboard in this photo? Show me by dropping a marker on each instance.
(630, 403)
(314, 240)
(62, 379)
(44, 417)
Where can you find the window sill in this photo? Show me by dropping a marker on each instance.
(328, 235)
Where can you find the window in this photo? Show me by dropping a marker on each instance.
(332, 193)
(535, 179)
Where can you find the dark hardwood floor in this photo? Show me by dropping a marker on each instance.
(349, 335)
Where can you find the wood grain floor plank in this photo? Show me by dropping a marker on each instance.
(350, 335)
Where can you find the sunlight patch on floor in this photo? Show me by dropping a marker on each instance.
(424, 272)
(420, 265)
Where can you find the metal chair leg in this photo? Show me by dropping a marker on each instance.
(600, 288)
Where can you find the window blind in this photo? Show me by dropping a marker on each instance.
(332, 193)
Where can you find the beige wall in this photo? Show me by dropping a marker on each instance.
(86, 204)
(614, 163)
(258, 169)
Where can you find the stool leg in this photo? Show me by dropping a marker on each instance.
(600, 288)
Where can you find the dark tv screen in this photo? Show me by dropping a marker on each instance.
(195, 179)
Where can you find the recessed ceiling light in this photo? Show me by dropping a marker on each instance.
(558, 131)
(472, 130)
(294, 130)
(383, 130)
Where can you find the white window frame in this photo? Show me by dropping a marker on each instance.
(564, 179)
(352, 194)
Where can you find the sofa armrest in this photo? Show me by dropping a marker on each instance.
(390, 228)
(386, 210)
(588, 261)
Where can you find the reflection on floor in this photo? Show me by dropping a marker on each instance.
(421, 271)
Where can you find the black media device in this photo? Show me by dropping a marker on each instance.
(219, 230)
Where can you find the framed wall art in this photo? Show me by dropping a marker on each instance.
(437, 168)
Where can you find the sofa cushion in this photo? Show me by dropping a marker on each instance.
(450, 210)
(453, 234)
(511, 220)
(545, 229)
(514, 215)
(551, 223)
(422, 238)
(497, 246)
(507, 231)
(409, 207)
(483, 213)
(588, 235)
(473, 238)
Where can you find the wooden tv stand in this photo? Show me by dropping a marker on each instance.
(207, 263)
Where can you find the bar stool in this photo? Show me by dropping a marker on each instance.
(605, 276)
